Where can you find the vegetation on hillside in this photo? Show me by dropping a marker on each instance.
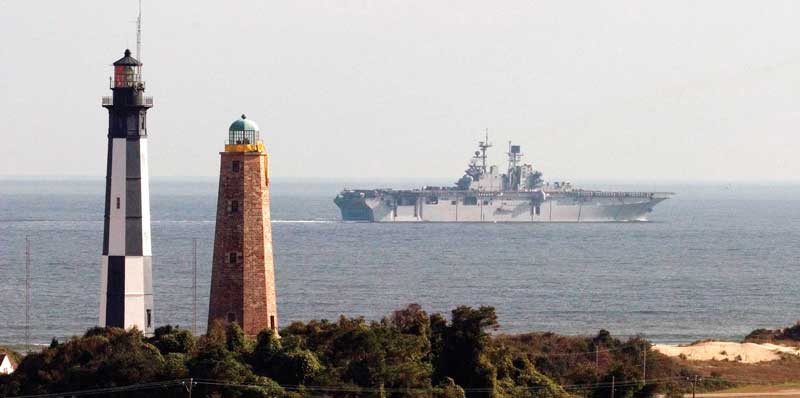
(592, 366)
(790, 335)
(409, 354)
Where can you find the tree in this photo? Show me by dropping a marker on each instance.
(289, 365)
(169, 339)
(408, 354)
(103, 357)
(411, 320)
(449, 389)
(235, 339)
(462, 345)
(215, 362)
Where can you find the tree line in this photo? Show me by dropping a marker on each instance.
(409, 354)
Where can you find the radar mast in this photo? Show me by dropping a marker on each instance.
(514, 157)
(484, 145)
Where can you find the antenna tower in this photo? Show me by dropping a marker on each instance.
(27, 294)
(194, 286)
(484, 145)
(514, 156)
(139, 34)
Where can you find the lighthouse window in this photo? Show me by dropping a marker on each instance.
(235, 166)
(232, 258)
(272, 322)
(149, 318)
(117, 202)
(233, 206)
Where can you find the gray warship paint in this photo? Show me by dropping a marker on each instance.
(126, 296)
(494, 197)
(458, 206)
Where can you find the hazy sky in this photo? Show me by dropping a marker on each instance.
(628, 90)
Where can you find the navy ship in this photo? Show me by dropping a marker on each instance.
(484, 194)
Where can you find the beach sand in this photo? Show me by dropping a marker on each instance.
(731, 351)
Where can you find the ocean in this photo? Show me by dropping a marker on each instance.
(716, 261)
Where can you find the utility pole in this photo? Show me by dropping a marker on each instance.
(613, 385)
(694, 379)
(597, 357)
(189, 387)
(596, 364)
(194, 286)
(644, 361)
(27, 294)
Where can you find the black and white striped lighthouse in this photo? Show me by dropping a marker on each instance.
(126, 297)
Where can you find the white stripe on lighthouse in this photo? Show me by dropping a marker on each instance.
(145, 197)
(116, 225)
(103, 289)
(134, 292)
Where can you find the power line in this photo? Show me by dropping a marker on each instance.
(96, 391)
(414, 389)
(188, 384)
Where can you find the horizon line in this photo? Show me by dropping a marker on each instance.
(430, 179)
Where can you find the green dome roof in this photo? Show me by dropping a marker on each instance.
(243, 124)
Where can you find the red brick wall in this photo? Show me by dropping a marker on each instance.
(247, 288)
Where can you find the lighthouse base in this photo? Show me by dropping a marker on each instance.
(126, 299)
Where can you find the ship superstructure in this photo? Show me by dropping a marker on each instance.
(484, 194)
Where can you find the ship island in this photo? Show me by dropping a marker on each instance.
(485, 194)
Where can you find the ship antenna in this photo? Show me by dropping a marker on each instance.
(484, 145)
(510, 168)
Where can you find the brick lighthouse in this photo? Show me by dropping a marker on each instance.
(126, 296)
(243, 272)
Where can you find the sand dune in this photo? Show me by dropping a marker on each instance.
(721, 350)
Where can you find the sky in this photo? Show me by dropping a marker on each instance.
(625, 90)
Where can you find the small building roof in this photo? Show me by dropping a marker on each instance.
(3, 356)
(127, 60)
(243, 124)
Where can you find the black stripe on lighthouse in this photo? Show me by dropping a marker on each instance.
(133, 200)
(115, 292)
(107, 213)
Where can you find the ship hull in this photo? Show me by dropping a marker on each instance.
(421, 206)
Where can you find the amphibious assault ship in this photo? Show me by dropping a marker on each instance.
(484, 194)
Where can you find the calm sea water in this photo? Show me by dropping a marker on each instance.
(716, 261)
